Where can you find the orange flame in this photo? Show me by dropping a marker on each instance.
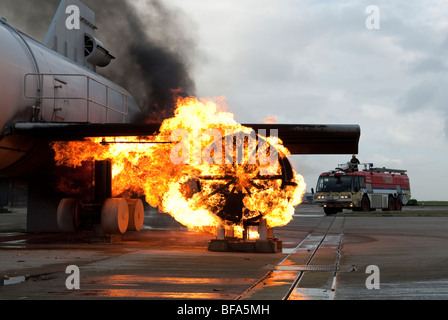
(168, 167)
(271, 120)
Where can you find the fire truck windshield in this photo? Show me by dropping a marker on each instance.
(334, 184)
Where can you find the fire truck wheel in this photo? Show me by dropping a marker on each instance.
(398, 204)
(330, 211)
(390, 204)
(365, 204)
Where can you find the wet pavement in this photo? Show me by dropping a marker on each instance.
(323, 258)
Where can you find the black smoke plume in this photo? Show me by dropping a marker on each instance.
(152, 47)
(152, 54)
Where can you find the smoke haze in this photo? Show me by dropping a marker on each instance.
(152, 48)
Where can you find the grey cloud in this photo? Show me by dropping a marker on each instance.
(429, 65)
(420, 96)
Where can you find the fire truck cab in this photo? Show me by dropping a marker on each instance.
(362, 190)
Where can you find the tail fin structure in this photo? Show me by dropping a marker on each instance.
(72, 34)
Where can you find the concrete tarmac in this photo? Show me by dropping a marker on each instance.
(323, 257)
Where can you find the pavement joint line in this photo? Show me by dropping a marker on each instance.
(315, 239)
(335, 268)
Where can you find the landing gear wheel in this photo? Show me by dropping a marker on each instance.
(136, 215)
(115, 216)
(68, 215)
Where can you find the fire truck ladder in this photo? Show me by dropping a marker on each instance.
(387, 170)
(369, 167)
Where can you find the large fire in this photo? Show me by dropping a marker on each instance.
(193, 171)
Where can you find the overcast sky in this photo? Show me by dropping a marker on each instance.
(309, 62)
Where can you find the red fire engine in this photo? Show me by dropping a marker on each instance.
(362, 190)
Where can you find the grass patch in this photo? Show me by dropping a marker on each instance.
(413, 212)
(418, 212)
(432, 203)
